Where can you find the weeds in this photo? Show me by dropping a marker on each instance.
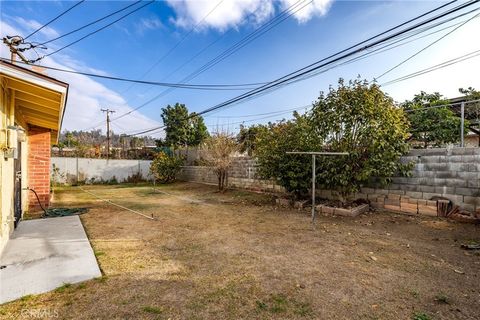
(63, 288)
(27, 297)
(421, 316)
(99, 253)
(102, 279)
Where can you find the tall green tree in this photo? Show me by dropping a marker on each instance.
(430, 123)
(181, 127)
(198, 130)
(247, 138)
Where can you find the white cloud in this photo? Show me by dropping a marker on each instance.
(146, 24)
(32, 25)
(86, 96)
(313, 9)
(233, 13)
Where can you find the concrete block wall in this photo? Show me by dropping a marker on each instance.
(452, 173)
(242, 174)
(449, 173)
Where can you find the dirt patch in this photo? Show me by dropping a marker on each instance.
(235, 255)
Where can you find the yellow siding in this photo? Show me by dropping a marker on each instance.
(6, 173)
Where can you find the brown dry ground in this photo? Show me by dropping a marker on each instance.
(237, 256)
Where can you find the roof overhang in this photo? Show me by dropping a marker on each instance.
(39, 99)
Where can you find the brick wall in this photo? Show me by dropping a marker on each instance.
(450, 173)
(39, 166)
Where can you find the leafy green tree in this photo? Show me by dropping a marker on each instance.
(183, 128)
(70, 140)
(198, 130)
(175, 120)
(165, 168)
(136, 142)
(472, 110)
(431, 124)
(247, 138)
(357, 118)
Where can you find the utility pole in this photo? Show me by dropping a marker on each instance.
(108, 111)
(13, 44)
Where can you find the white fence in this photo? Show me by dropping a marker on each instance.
(73, 170)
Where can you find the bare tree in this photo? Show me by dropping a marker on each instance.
(218, 150)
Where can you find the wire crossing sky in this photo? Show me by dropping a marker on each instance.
(192, 46)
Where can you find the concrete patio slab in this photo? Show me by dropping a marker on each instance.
(44, 254)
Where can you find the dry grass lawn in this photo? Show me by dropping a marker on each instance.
(237, 256)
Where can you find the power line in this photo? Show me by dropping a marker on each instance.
(95, 31)
(91, 23)
(179, 42)
(58, 16)
(321, 63)
(266, 116)
(426, 47)
(241, 86)
(433, 68)
(202, 69)
(388, 46)
(261, 114)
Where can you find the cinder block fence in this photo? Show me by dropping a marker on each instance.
(452, 173)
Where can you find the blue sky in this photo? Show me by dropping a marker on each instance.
(131, 46)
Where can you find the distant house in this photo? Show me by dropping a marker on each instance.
(31, 111)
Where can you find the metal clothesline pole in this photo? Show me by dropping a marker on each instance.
(314, 176)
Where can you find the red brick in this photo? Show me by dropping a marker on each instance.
(39, 166)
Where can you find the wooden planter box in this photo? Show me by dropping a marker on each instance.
(352, 212)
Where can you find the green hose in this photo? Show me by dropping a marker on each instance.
(63, 212)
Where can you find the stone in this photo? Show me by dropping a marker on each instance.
(300, 204)
(360, 209)
(326, 210)
(344, 212)
(283, 202)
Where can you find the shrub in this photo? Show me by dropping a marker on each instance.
(357, 118)
(165, 168)
(291, 171)
(219, 149)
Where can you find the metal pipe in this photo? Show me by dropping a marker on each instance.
(314, 155)
(314, 176)
(462, 124)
